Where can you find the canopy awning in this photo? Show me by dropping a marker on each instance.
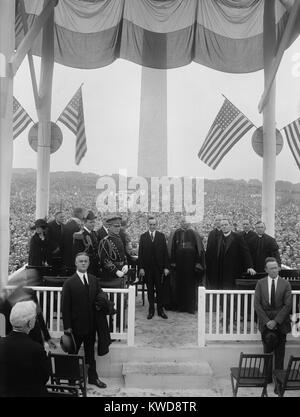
(225, 35)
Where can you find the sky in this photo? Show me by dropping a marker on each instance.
(111, 99)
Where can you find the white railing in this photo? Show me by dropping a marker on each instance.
(229, 315)
(122, 324)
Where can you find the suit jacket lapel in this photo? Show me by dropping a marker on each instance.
(265, 290)
(228, 242)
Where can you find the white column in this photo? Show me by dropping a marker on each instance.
(269, 124)
(152, 153)
(44, 116)
(7, 42)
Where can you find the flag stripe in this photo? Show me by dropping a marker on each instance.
(21, 118)
(292, 132)
(240, 129)
(72, 117)
(219, 142)
(237, 138)
(229, 126)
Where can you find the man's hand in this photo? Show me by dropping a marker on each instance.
(68, 331)
(142, 272)
(51, 343)
(120, 274)
(173, 265)
(166, 271)
(125, 269)
(251, 271)
(271, 324)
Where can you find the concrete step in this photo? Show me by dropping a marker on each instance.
(167, 375)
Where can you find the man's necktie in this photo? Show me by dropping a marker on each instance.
(273, 294)
(152, 236)
(86, 285)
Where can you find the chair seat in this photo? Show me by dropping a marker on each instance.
(280, 376)
(255, 378)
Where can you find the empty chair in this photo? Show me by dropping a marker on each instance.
(252, 372)
(288, 379)
(68, 370)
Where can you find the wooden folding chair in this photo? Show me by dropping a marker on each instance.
(68, 370)
(252, 372)
(288, 379)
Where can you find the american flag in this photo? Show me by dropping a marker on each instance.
(72, 117)
(229, 127)
(292, 133)
(21, 118)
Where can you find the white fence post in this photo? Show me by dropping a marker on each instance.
(131, 315)
(201, 316)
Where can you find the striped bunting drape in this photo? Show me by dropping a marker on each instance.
(226, 35)
(72, 117)
(228, 128)
(292, 133)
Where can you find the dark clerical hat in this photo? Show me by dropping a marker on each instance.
(90, 215)
(39, 223)
(112, 218)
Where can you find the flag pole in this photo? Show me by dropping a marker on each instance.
(44, 116)
(269, 122)
(7, 42)
(239, 110)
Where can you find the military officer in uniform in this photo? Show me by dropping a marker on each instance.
(112, 255)
(86, 241)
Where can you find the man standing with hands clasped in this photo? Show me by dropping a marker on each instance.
(78, 311)
(153, 262)
(272, 303)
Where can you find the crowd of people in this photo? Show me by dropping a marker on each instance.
(68, 190)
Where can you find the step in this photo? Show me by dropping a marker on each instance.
(167, 375)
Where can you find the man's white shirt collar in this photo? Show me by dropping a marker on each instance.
(80, 274)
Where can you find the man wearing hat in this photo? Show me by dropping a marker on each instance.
(72, 225)
(273, 303)
(112, 254)
(86, 241)
(40, 251)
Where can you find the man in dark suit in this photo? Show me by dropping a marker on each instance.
(232, 258)
(86, 241)
(78, 312)
(273, 303)
(55, 234)
(211, 248)
(73, 225)
(24, 367)
(103, 230)
(153, 262)
(262, 247)
(248, 234)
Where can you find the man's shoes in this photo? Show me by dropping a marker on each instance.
(162, 314)
(150, 315)
(97, 382)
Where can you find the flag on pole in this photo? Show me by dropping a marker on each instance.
(228, 128)
(292, 133)
(73, 118)
(21, 118)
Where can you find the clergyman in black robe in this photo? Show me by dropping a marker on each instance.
(187, 253)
